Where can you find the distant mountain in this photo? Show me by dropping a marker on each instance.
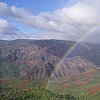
(37, 59)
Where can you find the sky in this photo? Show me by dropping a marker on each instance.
(50, 19)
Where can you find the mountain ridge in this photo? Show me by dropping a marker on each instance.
(37, 59)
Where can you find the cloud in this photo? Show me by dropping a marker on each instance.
(12, 11)
(7, 28)
(70, 22)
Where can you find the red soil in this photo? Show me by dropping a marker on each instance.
(2, 82)
(61, 83)
(61, 87)
(81, 83)
(94, 89)
(88, 73)
(23, 84)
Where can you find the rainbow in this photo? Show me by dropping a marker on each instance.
(71, 49)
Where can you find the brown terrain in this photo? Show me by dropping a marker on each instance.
(38, 59)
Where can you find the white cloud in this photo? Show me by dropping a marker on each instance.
(66, 23)
(7, 28)
(81, 13)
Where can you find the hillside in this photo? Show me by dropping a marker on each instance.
(37, 59)
(32, 69)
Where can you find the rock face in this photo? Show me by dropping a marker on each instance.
(39, 59)
(73, 66)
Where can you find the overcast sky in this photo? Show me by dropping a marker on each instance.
(50, 19)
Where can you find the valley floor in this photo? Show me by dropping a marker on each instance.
(21, 89)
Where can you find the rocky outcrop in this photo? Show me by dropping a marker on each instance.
(39, 59)
(73, 66)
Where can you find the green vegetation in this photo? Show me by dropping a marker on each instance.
(86, 88)
(16, 88)
(7, 69)
(21, 89)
